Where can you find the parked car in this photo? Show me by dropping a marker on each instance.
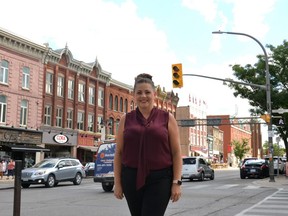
(104, 165)
(245, 159)
(89, 168)
(281, 165)
(51, 171)
(196, 168)
(257, 168)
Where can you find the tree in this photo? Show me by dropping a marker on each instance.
(277, 150)
(240, 148)
(255, 74)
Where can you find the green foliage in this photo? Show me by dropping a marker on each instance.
(277, 150)
(240, 148)
(256, 74)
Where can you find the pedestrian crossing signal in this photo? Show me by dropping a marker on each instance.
(278, 120)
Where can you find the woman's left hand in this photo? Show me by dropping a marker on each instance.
(175, 192)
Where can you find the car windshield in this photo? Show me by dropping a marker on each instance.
(45, 164)
(189, 161)
(254, 162)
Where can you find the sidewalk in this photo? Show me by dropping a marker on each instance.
(6, 184)
(281, 181)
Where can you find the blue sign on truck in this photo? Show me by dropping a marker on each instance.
(104, 165)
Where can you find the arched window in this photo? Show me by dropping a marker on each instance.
(117, 125)
(132, 105)
(116, 103)
(121, 104)
(111, 126)
(111, 102)
(126, 106)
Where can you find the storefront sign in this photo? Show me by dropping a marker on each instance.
(60, 138)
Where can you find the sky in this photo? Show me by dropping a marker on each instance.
(129, 37)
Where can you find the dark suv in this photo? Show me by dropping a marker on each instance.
(51, 171)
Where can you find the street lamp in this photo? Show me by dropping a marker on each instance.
(268, 99)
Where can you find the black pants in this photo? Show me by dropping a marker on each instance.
(153, 198)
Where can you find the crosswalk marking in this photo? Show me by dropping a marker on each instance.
(227, 186)
(251, 187)
(275, 204)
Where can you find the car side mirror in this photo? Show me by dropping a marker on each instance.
(60, 166)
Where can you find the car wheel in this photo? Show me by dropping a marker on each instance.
(77, 179)
(50, 181)
(24, 185)
(107, 187)
(212, 176)
(201, 178)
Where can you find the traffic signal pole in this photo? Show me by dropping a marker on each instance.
(268, 100)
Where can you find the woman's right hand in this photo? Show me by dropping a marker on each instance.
(118, 192)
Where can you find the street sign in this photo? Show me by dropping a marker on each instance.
(280, 111)
(187, 123)
(213, 121)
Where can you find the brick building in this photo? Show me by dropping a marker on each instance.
(58, 105)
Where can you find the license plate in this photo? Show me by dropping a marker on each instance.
(186, 175)
(252, 170)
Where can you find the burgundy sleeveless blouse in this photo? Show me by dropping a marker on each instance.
(146, 143)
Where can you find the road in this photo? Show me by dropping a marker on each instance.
(226, 195)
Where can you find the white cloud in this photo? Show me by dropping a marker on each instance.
(124, 43)
(207, 8)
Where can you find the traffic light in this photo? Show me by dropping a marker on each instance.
(177, 76)
(266, 118)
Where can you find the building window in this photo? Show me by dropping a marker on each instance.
(99, 123)
(132, 105)
(47, 115)
(121, 104)
(59, 116)
(111, 102)
(126, 106)
(3, 107)
(26, 78)
(91, 95)
(116, 103)
(4, 72)
(49, 83)
(117, 125)
(23, 112)
(81, 92)
(70, 118)
(71, 89)
(90, 122)
(101, 97)
(80, 121)
(111, 126)
(60, 86)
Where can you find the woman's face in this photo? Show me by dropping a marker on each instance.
(144, 95)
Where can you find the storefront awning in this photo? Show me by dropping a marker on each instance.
(22, 148)
(88, 148)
